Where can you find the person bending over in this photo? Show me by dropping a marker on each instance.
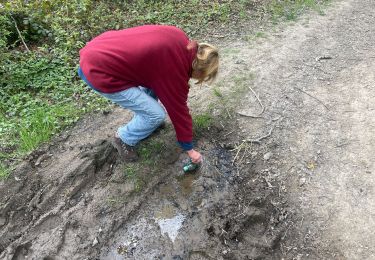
(138, 66)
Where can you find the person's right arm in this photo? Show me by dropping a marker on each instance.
(175, 102)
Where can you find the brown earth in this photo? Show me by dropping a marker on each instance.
(301, 187)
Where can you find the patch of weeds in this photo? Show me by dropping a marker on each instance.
(230, 51)
(150, 151)
(260, 35)
(227, 101)
(115, 201)
(255, 36)
(139, 185)
(217, 92)
(130, 171)
(202, 123)
(4, 172)
(291, 9)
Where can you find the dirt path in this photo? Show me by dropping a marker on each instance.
(319, 76)
(304, 192)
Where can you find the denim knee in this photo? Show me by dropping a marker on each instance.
(159, 117)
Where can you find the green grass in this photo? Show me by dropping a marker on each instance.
(202, 123)
(130, 171)
(217, 92)
(4, 172)
(150, 150)
(260, 35)
(291, 9)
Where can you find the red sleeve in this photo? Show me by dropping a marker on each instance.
(174, 98)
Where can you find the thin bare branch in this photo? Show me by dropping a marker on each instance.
(260, 103)
(312, 97)
(259, 139)
(19, 34)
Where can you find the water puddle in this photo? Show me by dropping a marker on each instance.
(186, 182)
(171, 226)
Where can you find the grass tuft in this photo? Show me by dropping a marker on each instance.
(4, 172)
(202, 123)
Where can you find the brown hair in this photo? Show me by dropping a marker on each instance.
(206, 63)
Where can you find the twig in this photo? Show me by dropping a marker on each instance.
(260, 102)
(257, 140)
(228, 133)
(286, 231)
(229, 115)
(323, 58)
(312, 97)
(239, 150)
(19, 34)
(244, 153)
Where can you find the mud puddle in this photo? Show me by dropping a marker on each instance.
(191, 216)
(82, 207)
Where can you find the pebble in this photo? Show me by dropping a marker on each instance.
(302, 181)
(267, 156)
(95, 242)
(2, 221)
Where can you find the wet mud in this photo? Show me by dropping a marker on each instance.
(77, 204)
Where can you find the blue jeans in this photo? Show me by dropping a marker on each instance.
(148, 113)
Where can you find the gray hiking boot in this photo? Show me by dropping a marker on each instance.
(127, 153)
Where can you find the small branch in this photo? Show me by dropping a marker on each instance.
(312, 97)
(257, 140)
(19, 34)
(228, 133)
(323, 58)
(260, 102)
(238, 148)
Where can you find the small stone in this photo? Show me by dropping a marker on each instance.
(267, 156)
(95, 242)
(42, 158)
(2, 221)
(225, 252)
(302, 181)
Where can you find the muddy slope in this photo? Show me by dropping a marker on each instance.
(73, 200)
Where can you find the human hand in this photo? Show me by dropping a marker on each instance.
(195, 156)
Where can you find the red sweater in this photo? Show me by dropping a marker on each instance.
(153, 56)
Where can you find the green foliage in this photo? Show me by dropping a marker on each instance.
(202, 123)
(130, 171)
(151, 149)
(217, 92)
(291, 9)
(4, 172)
